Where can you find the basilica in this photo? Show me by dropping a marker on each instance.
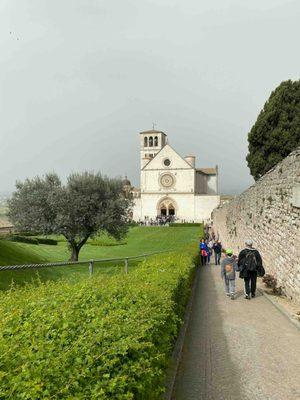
(171, 185)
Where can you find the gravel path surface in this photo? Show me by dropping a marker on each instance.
(237, 350)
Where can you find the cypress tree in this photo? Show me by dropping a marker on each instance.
(276, 131)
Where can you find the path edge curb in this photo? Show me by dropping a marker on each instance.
(281, 309)
(176, 355)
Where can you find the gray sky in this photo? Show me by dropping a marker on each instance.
(80, 78)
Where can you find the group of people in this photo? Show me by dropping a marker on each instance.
(208, 247)
(248, 263)
(160, 220)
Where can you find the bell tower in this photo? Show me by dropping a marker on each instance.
(151, 143)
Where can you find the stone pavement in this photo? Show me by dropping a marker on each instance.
(237, 350)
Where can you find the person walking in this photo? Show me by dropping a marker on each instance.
(217, 247)
(203, 252)
(228, 268)
(249, 263)
(209, 244)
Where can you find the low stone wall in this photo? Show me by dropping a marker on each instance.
(269, 214)
(4, 230)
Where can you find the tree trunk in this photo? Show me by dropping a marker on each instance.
(74, 252)
(75, 247)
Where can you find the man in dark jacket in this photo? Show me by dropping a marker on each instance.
(217, 247)
(249, 262)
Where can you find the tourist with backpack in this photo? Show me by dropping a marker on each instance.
(203, 252)
(250, 266)
(228, 268)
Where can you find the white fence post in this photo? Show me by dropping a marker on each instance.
(126, 265)
(91, 267)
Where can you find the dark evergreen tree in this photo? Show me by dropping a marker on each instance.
(277, 130)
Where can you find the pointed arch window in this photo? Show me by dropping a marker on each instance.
(145, 141)
(150, 141)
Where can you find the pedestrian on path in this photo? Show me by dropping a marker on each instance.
(249, 263)
(217, 247)
(228, 268)
(209, 248)
(203, 252)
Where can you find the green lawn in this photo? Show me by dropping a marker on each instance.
(139, 240)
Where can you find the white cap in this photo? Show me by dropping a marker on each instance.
(248, 242)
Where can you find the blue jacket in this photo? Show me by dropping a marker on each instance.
(203, 246)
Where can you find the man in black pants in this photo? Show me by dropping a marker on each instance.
(217, 247)
(249, 262)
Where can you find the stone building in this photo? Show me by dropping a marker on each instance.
(171, 185)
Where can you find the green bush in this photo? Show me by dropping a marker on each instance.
(23, 239)
(103, 338)
(177, 225)
(31, 240)
(51, 242)
(28, 233)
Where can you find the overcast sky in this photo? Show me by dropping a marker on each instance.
(81, 78)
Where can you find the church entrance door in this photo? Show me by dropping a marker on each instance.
(166, 208)
(163, 211)
(171, 210)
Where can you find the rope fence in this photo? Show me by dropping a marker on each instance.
(90, 263)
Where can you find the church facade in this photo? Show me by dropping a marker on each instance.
(171, 185)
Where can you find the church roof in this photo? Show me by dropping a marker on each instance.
(153, 132)
(165, 146)
(207, 171)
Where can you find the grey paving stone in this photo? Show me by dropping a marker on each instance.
(237, 350)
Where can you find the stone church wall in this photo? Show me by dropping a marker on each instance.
(269, 214)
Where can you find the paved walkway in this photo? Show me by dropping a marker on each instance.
(237, 350)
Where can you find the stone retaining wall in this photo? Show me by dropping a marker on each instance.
(269, 214)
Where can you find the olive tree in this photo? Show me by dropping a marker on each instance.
(85, 206)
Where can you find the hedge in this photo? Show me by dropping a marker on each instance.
(31, 240)
(23, 239)
(178, 224)
(102, 338)
(51, 242)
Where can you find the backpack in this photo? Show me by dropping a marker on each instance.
(228, 268)
(250, 261)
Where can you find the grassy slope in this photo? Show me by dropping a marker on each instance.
(140, 240)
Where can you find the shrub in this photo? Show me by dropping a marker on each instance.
(31, 240)
(271, 282)
(23, 239)
(104, 338)
(174, 224)
(28, 233)
(51, 242)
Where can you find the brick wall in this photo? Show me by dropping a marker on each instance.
(268, 214)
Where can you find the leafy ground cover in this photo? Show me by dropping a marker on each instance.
(101, 338)
(139, 240)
